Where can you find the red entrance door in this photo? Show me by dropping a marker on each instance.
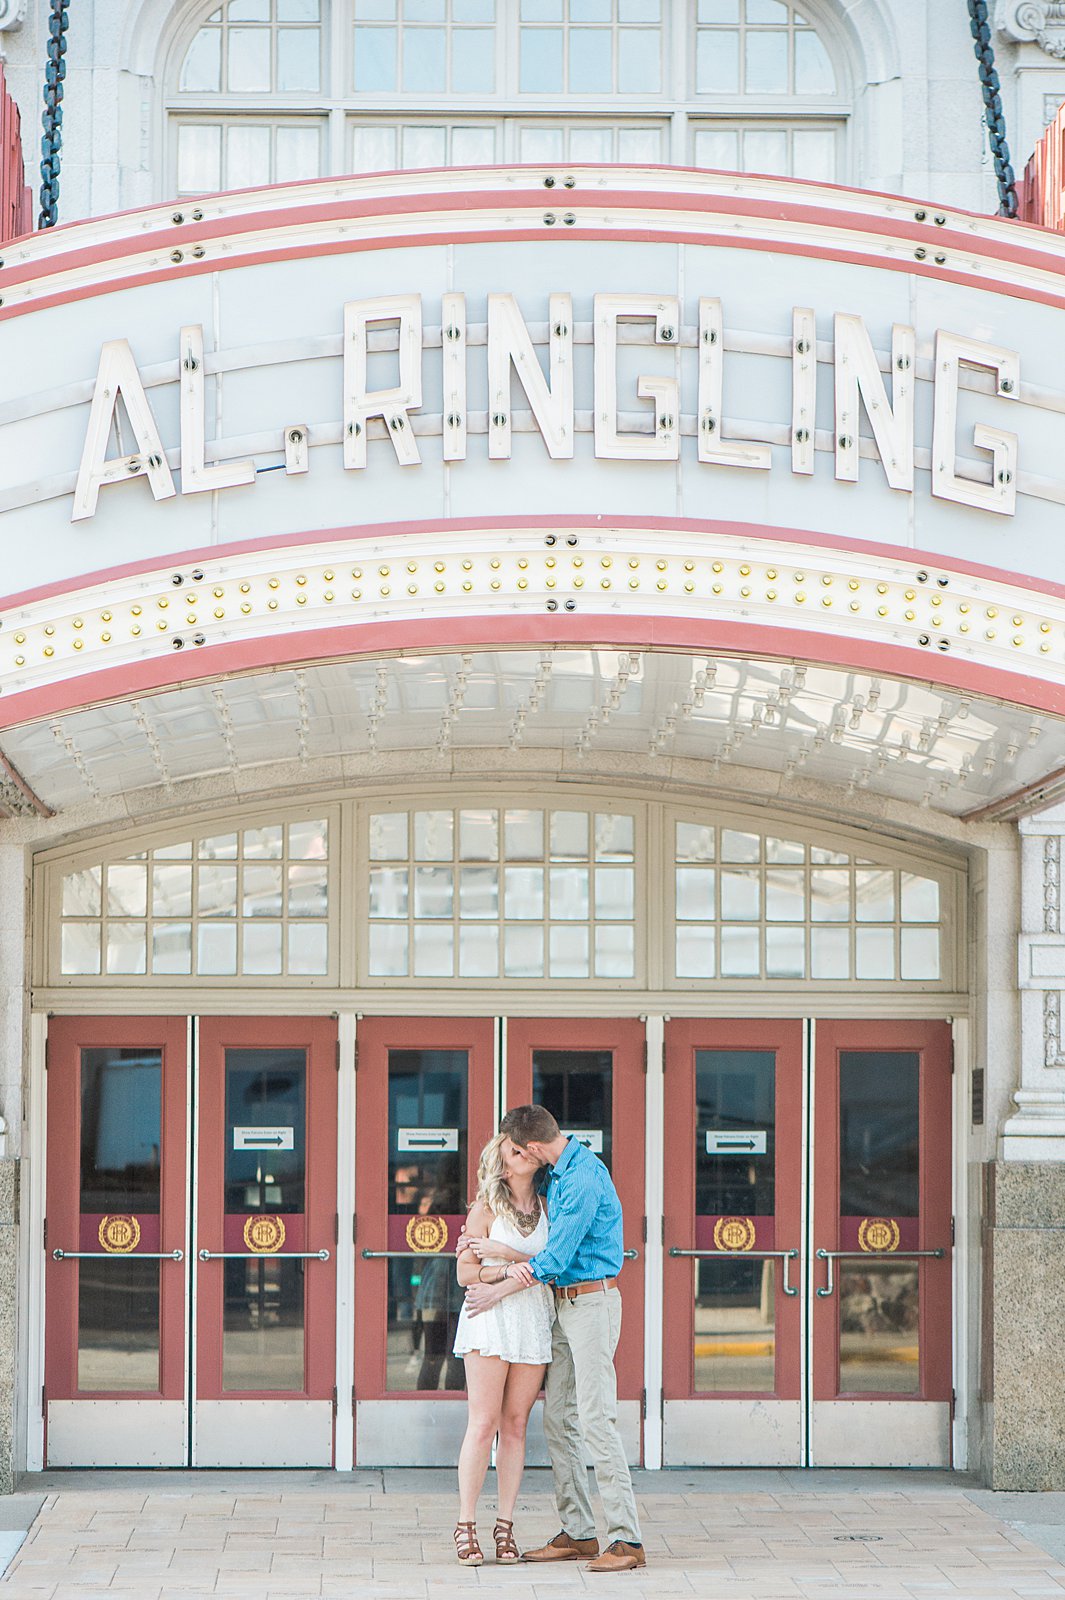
(115, 1239)
(808, 1234)
(266, 1241)
(590, 1074)
(425, 1108)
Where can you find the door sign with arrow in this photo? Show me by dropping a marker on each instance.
(263, 1138)
(738, 1142)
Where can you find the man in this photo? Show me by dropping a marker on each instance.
(582, 1258)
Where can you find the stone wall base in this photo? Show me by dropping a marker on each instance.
(1024, 1314)
(9, 1203)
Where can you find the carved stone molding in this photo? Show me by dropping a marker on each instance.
(12, 14)
(1040, 22)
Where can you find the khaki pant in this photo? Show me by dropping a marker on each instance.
(581, 1414)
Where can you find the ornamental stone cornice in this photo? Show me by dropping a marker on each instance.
(1040, 22)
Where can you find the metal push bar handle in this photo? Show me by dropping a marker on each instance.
(264, 1255)
(832, 1256)
(746, 1255)
(419, 1255)
(118, 1255)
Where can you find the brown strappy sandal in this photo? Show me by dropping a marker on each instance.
(467, 1549)
(503, 1534)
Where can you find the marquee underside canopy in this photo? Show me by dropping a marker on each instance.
(676, 718)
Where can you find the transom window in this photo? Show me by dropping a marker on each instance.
(523, 889)
(253, 901)
(753, 905)
(522, 892)
(333, 86)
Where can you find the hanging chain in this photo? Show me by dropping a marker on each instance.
(996, 122)
(52, 120)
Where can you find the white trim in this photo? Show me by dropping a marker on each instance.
(193, 1189)
(654, 1208)
(191, 1181)
(344, 1436)
(32, 1300)
(962, 1273)
(808, 1261)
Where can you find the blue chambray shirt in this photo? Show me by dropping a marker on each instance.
(585, 1238)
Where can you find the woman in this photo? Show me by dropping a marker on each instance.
(506, 1348)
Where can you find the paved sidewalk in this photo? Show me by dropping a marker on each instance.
(387, 1536)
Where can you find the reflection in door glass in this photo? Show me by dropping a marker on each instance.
(427, 1167)
(735, 1152)
(879, 1096)
(118, 1296)
(576, 1087)
(265, 1206)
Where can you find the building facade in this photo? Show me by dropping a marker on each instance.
(532, 571)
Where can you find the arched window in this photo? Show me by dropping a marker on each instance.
(270, 91)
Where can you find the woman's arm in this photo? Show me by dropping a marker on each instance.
(468, 1267)
(501, 1252)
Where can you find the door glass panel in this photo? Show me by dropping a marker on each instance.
(879, 1214)
(118, 1296)
(576, 1086)
(265, 1216)
(427, 1199)
(735, 1153)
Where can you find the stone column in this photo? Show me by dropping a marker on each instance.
(13, 988)
(1024, 1259)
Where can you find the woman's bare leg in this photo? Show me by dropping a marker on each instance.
(486, 1378)
(523, 1384)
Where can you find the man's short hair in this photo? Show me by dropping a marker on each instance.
(525, 1123)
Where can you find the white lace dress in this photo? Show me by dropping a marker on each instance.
(519, 1327)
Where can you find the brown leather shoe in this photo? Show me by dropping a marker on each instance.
(619, 1557)
(563, 1548)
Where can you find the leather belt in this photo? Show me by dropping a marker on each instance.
(570, 1291)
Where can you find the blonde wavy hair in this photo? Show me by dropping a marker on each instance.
(493, 1190)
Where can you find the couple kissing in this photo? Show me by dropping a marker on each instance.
(539, 1258)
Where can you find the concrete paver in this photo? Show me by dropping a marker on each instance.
(387, 1536)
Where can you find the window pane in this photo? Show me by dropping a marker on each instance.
(569, 893)
(569, 836)
(523, 835)
(434, 891)
(216, 949)
(639, 10)
(375, 60)
(830, 952)
(695, 842)
(249, 10)
(785, 952)
(639, 68)
(308, 949)
(589, 11)
(473, 61)
(388, 892)
(216, 890)
(639, 146)
(374, 150)
(171, 891)
(473, 147)
(478, 952)
(524, 893)
(695, 952)
(541, 144)
(719, 10)
(766, 151)
(434, 833)
(541, 61)
(767, 63)
(375, 10)
(201, 70)
(767, 11)
(589, 61)
(473, 10)
(920, 899)
(814, 155)
(739, 953)
(172, 947)
(424, 11)
(424, 60)
(874, 893)
(478, 893)
(874, 953)
(920, 954)
(615, 952)
(591, 144)
(830, 899)
(298, 60)
(297, 11)
(247, 157)
(737, 846)
(614, 898)
(199, 160)
(740, 895)
(717, 63)
(388, 829)
(569, 952)
(695, 894)
(785, 894)
(80, 954)
(249, 61)
(388, 950)
(718, 149)
(541, 10)
(297, 155)
(127, 947)
(262, 948)
(813, 69)
(127, 889)
(523, 951)
(424, 147)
